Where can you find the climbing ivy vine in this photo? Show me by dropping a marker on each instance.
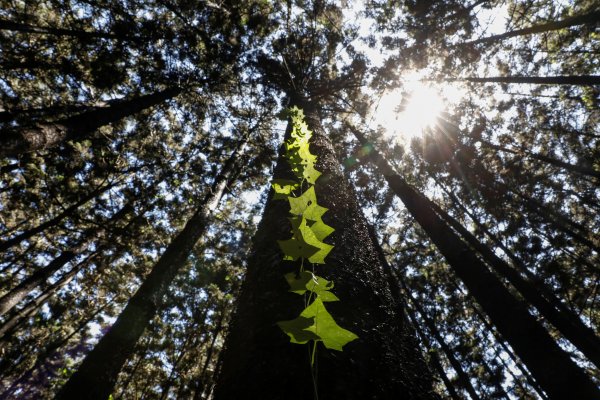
(314, 324)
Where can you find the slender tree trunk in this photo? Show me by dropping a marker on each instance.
(463, 377)
(434, 358)
(538, 284)
(200, 388)
(97, 375)
(39, 277)
(15, 141)
(47, 352)
(15, 240)
(556, 372)
(17, 318)
(580, 80)
(550, 160)
(570, 326)
(574, 229)
(590, 18)
(7, 25)
(260, 362)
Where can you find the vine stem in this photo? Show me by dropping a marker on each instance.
(313, 370)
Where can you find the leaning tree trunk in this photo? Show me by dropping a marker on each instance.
(15, 240)
(259, 362)
(569, 325)
(552, 367)
(83, 35)
(463, 377)
(18, 140)
(41, 275)
(577, 169)
(96, 376)
(576, 80)
(590, 18)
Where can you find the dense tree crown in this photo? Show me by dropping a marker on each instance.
(307, 199)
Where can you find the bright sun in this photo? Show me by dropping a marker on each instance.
(421, 106)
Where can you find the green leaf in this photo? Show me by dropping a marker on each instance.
(317, 320)
(304, 243)
(295, 248)
(306, 205)
(283, 188)
(321, 229)
(307, 281)
(333, 336)
(296, 329)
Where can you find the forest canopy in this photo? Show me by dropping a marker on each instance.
(299, 199)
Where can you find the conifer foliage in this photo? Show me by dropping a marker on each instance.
(205, 199)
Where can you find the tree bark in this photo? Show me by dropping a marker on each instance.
(18, 293)
(6, 244)
(550, 160)
(7, 25)
(579, 80)
(570, 326)
(18, 317)
(463, 377)
(552, 367)
(258, 359)
(590, 18)
(96, 376)
(15, 141)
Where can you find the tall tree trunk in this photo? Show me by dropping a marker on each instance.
(17, 318)
(14, 141)
(260, 362)
(7, 25)
(579, 80)
(463, 377)
(39, 277)
(552, 367)
(201, 386)
(590, 18)
(15, 240)
(550, 160)
(96, 376)
(434, 358)
(570, 326)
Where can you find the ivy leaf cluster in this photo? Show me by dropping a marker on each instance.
(306, 244)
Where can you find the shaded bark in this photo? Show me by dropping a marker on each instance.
(258, 359)
(39, 277)
(463, 377)
(550, 160)
(96, 376)
(579, 80)
(15, 319)
(15, 240)
(18, 140)
(552, 367)
(569, 325)
(590, 18)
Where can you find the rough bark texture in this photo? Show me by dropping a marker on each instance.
(259, 362)
(552, 367)
(14, 141)
(97, 375)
